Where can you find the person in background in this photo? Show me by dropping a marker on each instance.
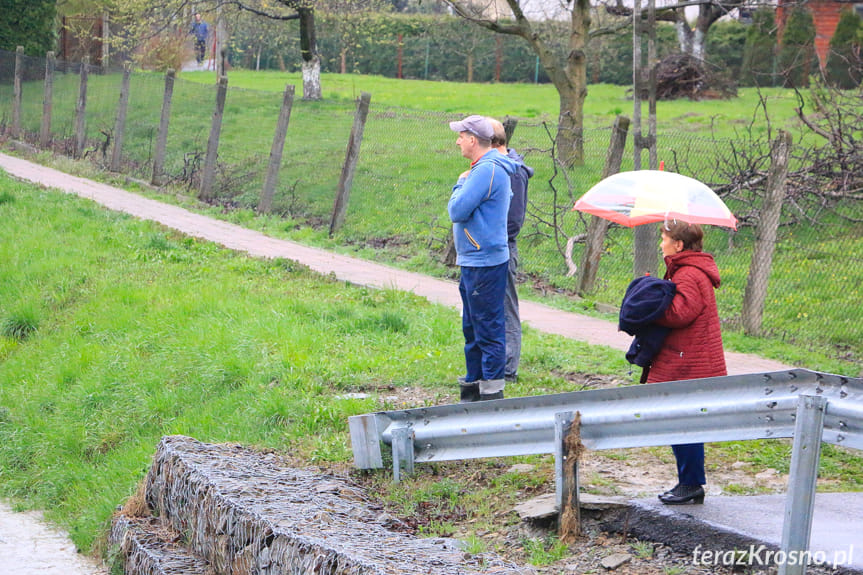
(515, 219)
(478, 208)
(200, 31)
(692, 349)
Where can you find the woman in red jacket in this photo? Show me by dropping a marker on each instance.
(693, 347)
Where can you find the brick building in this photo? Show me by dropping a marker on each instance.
(825, 15)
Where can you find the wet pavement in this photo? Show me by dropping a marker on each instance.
(29, 546)
(726, 525)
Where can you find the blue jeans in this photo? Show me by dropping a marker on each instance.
(482, 321)
(690, 463)
(513, 321)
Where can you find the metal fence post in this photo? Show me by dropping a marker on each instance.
(213, 141)
(16, 94)
(81, 110)
(800, 500)
(47, 100)
(162, 137)
(120, 122)
(272, 178)
(352, 155)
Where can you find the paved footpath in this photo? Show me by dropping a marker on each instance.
(28, 546)
(363, 272)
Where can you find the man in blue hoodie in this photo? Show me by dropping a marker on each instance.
(515, 219)
(200, 31)
(478, 208)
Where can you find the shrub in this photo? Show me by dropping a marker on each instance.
(844, 63)
(20, 324)
(797, 51)
(759, 50)
(167, 51)
(27, 23)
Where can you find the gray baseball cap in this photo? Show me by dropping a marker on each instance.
(477, 125)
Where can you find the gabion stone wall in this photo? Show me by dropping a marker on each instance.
(243, 512)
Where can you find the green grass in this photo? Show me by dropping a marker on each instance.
(143, 332)
(397, 208)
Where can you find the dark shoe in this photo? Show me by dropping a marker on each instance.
(511, 378)
(468, 392)
(488, 396)
(683, 495)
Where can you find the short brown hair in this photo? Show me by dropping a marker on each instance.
(691, 235)
(499, 137)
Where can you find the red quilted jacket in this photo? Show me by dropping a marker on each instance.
(693, 348)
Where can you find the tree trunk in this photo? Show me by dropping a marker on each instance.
(572, 87)
(312, 79)
(470, 68)
(343, 61)
(309, 52)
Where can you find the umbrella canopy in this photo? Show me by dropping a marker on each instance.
(649, 196)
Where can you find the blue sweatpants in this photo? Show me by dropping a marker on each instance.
(482, 290)
(690, 463)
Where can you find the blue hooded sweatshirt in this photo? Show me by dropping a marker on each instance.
(518, 203)
(478, 209)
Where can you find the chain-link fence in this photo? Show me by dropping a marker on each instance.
(408, 164)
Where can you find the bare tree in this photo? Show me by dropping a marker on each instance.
(145, 18)
(567, 70)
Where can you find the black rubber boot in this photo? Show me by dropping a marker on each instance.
(683, 495)
(468, 392)
(488, 396)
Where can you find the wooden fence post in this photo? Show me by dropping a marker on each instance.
(213, 141)
(567, 453)
(47, 100)
(765, 236)
(272, 178)
(162, 137)
(81, 110)
(598, 226)
(349, 167)
(16, 93)
(120, 122)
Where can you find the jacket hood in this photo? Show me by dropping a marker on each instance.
(509, 165)
(516, 157)
(700, 260)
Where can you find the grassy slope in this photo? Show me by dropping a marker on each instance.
(142, 333)
(397, 213)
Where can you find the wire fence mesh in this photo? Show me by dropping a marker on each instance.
(408, 164)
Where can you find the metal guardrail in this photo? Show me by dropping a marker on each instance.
(810, 406)
(731, 408)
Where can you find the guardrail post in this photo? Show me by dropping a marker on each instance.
(403, 451)
(567, 448)
(365, 441)
(47, 100)
(800, 500)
